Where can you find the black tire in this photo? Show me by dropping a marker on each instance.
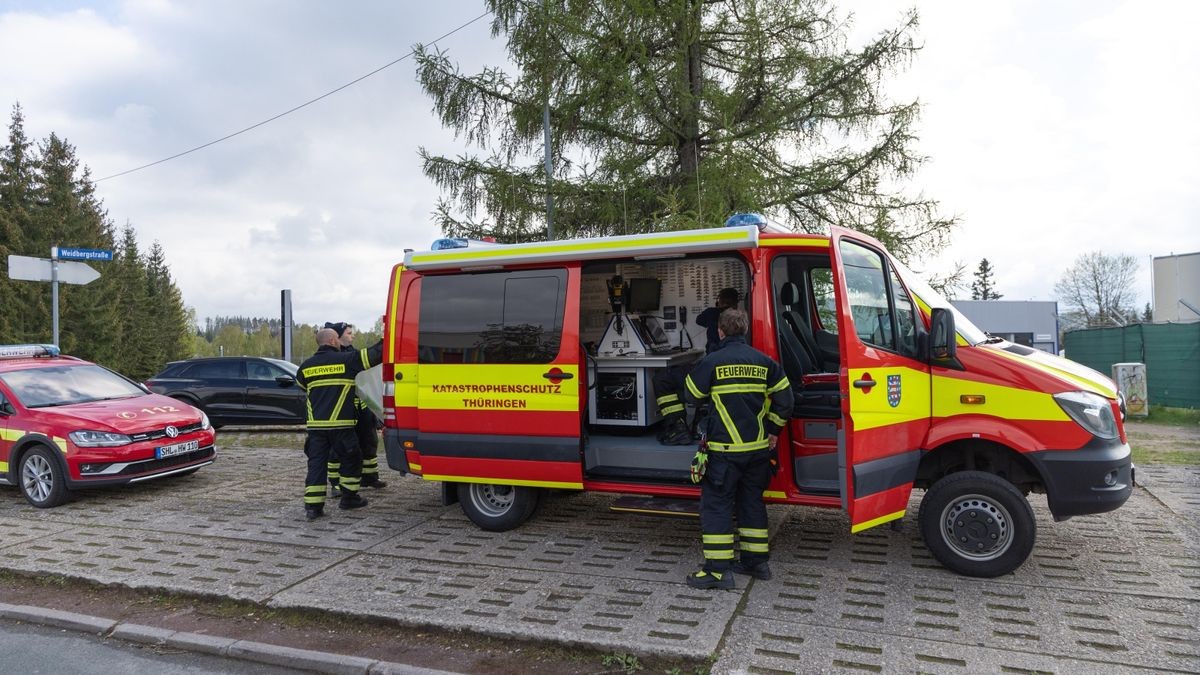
(977, 524)
(41, 478)
(497, 508)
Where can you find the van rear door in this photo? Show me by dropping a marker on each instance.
(885, 382)
(498, 394)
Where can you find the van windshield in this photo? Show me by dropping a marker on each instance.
(931, 298)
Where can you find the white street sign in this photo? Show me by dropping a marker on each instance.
(28, 268)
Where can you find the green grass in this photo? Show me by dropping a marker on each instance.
(1142, 456)
(1179, 417)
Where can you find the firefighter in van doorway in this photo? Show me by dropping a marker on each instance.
(668, 382)
(328, 378)
(366, 426)
(737, 451)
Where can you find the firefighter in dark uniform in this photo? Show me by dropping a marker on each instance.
(328, 378)
(751, 400)
(365, 425)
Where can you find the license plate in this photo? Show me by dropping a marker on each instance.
(176, 449)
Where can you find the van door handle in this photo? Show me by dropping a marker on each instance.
(865, 383)
(557, 376)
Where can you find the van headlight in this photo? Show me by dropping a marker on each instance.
(98, 439)
(1090, 411)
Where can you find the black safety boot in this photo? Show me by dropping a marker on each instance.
(678, 434)
(335, 490)
(759, 570)
(352, 500)
(373, 482)
(312, 512)
(706, 580)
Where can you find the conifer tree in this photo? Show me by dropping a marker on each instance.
(26, 304)
(133, 357)
(984, 287)
(168, 330)
(674, 115)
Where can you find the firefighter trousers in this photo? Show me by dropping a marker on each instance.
(368, 444)
(331, 446)
(732, 488)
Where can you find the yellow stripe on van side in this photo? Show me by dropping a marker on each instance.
(872, 410)
(1000, 401)
(814, 241)
(3, 467)
(505, 481)
(774, 494)
(406, 385)
(478, 386)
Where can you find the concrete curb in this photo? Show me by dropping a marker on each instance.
(246, 650)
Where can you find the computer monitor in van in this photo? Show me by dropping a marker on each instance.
(644, 295)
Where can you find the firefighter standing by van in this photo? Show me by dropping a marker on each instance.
(365, 426)
(328, 378)
(734, 464)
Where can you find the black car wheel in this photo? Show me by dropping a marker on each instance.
(977, 524)
(497, 508)
(41, 478)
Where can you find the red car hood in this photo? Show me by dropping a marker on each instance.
(131, 415)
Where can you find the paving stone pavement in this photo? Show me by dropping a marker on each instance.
(1108, 593)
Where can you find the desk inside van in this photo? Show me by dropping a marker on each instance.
(623, 394)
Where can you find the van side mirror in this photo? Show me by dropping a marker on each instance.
(942, 344)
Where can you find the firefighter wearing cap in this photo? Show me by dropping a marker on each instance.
(364, 427)
(328, 378)
(751, 400)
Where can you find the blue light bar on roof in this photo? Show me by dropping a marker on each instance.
(27, 351)
(744, 219)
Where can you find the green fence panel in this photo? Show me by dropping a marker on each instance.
(1171, 352)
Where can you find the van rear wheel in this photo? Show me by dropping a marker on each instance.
(497, 508)
(977, 524)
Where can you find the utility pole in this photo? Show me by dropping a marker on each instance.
(546, 146)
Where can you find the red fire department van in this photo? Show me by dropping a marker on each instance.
(513, 369)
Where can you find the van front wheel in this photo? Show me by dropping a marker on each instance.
(497, 508)
(977, 524)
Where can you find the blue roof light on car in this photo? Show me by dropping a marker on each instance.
(27, 351)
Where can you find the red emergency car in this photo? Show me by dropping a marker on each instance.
(66, 424)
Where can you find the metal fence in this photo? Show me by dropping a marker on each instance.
(1171, 352)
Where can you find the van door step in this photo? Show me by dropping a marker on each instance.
(662, 506)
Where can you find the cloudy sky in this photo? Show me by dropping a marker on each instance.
(1053, 129)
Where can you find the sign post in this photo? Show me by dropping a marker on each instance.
(60, 267)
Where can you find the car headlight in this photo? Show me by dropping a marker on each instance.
(1091, 411)
(98, 439)
(204, 423)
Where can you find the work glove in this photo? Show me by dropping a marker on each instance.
(699, 464)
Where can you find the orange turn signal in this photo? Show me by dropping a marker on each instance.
(971, 399)
(408, 445)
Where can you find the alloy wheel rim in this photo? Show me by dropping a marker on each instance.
(37, 477)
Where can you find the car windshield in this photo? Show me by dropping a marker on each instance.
(931, 298)
(65, 385)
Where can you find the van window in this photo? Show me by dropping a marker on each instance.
(494, 317)
(870, 309)
(822, 287)
(906, 318)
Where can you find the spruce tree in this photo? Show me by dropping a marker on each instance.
(168, 330)
(26, 303)
(69, 214)
(133, 356)
(674, 115)
(984, 287)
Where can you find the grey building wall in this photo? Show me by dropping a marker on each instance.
(1176, 283)
(1032, 323)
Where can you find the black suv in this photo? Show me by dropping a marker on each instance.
(235, 389)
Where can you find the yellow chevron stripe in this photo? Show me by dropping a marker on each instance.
(855, 529)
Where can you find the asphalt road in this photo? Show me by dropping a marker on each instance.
(37, 650)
